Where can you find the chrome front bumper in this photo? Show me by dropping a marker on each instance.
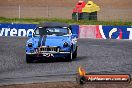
(47, 52)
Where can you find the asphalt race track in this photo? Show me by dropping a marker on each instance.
(96, 56)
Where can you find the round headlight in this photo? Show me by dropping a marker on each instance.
(65, 44)
(30, 45)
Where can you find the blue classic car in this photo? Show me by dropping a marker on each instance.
(51, 40)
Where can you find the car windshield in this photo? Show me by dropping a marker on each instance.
(51, 31)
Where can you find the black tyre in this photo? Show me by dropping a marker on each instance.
(74, 16)
(75, 54)
(80, 79)
(70, 56)
(93, 16)
(29, 59)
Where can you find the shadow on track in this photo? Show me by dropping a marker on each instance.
(79, 58)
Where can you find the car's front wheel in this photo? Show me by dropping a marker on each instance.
(29, 59)
(75, 53)
(70, 56)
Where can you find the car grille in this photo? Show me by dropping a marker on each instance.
(44, 49)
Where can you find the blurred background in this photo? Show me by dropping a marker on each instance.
(110, 10)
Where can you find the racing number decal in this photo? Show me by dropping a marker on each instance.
(48, 55)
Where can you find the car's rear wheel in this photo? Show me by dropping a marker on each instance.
(29, 59)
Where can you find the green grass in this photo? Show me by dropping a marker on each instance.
(69, 21)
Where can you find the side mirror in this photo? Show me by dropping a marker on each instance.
(30, 35)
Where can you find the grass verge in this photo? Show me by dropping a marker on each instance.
(69, 21)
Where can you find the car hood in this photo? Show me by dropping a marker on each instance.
(49, 40)
(55, 40)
